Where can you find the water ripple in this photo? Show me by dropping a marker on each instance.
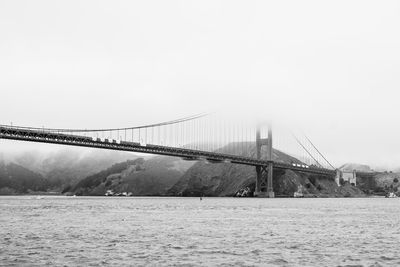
(84, 231)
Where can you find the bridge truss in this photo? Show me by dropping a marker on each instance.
(200, 137)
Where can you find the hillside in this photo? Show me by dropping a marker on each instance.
(15, 179)
(225, 179)
(93, 172)
(153, 176)
(349, 167)
(387, 180)
(380, 183)
(69, 165)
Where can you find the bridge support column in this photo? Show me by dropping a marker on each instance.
(355, 177)
(264, 179)
(258, 180)
(261, 182)
(270, 188)
(338, 176)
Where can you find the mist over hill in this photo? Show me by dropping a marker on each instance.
(67, 166)
(93, 172)
(140, 177)
(15, 179)
(349, 167)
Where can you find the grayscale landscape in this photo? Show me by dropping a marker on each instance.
(199, 133)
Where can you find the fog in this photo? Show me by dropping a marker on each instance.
(331, 68)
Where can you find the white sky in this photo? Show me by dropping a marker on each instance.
(330, 66)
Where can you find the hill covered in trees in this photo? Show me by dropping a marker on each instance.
(15, 179)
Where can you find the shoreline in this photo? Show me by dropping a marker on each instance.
(169, 196)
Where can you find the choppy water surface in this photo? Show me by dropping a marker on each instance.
(186, 231)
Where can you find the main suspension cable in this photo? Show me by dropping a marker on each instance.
(112, 129)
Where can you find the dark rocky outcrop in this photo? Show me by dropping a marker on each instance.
(287, 182)
(225, 179)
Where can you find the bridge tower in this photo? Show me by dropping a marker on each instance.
(339, 174)
(264, 178)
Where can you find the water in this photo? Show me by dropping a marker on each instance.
(91, 231)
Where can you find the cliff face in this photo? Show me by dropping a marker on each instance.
(225, 179)
(287, 182)
(228, 179)
(220, 179)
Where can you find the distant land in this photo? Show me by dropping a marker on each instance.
(97, 172)
(51, 172)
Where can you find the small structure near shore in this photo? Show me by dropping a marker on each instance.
(111, 193)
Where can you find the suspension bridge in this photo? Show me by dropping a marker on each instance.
(199, 137)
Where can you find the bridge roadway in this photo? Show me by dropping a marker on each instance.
(23, 134)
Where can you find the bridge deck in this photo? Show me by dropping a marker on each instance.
(83, 141)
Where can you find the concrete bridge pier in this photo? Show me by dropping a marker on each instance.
(270, 187)
(264, 178)
(339, 175)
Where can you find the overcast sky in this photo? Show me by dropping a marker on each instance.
(332, 67)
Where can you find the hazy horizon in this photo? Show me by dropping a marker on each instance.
(329, 68)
